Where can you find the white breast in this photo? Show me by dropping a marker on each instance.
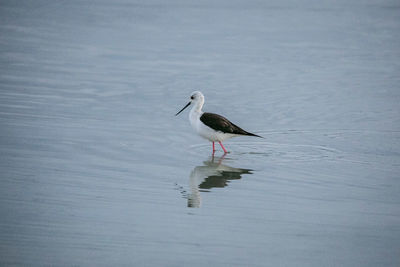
(202, 129)
(205, 131)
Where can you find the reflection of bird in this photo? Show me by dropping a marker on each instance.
(209, 125)
(210, 175)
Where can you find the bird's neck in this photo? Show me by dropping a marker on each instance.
(195, 112)
(197, 107)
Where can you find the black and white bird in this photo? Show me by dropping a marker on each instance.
(210, 126)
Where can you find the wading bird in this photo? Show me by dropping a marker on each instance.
(210, 126)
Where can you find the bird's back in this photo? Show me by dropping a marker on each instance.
(222, 124)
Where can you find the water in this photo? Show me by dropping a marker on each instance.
(97, 171)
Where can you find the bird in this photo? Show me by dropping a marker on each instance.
(211, 126)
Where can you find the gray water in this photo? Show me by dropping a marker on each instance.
(97, 171)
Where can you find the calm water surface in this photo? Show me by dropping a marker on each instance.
(97, 171)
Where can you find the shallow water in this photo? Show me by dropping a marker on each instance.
(96, 170)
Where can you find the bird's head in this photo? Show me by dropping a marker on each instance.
(196, 98)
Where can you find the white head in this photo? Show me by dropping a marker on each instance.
(197, 99)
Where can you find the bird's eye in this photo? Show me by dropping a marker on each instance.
(192, 97)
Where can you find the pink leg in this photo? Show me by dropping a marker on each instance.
(222, 147)
(213, 147)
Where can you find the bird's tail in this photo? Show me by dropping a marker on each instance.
(251, 134)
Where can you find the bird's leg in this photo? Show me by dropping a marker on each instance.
(213, 147)
(222, 147)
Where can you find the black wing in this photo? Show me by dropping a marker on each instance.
(222, 124)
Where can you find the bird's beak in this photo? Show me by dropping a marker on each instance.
(183, 108)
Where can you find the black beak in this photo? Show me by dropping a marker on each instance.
(183, 108)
